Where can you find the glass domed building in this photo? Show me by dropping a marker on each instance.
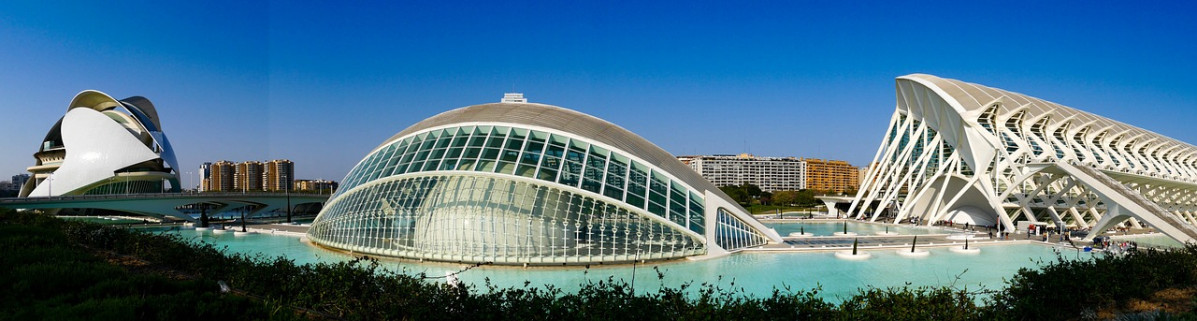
(522, 183)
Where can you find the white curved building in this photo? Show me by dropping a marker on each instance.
(524, 183)
(962, 152)
(104, 146)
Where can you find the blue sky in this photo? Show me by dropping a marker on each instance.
(322, 83)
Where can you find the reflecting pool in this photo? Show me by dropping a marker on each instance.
(826, 228)
(753, 273)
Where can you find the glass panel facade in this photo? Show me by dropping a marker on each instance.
(658, 188)
(535, 154)
(637, 182)
(732, 234)
(617, 173)
(490, 219)
(596, 167)
(677, 205)
(697, 214)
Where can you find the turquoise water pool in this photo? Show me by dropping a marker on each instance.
(753, 273)
(827, 228)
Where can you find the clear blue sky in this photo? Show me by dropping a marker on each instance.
(322, 83)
